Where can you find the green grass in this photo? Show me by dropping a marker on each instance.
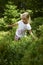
(3, 33)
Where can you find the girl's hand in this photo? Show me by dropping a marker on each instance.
(8, 25)
(34, 37)
(12, 25)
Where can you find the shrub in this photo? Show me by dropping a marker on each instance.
(23, 52)
(34, 54)
(37, 22)
(40, 31)
(11, 13)
(11, 52)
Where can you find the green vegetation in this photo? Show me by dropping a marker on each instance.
(26, 51)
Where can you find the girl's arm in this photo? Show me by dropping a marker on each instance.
(32, 34)
(12, 25)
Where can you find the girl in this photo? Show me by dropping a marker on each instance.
(23, 25)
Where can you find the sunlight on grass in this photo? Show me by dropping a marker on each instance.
(3, 33)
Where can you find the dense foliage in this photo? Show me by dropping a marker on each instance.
(26, 51)
(35, 5)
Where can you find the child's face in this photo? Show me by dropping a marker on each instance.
(25, 20)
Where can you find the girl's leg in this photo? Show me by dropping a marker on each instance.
(16, 38)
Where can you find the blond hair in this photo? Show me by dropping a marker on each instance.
(26, 15)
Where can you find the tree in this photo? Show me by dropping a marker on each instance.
(11, 13)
